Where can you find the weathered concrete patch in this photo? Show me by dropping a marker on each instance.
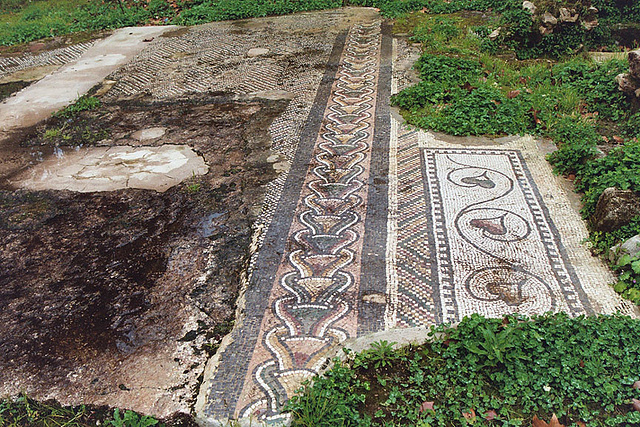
(113, 168)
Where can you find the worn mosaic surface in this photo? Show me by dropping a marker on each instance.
(482, 226)
(312, 295)
(380, 226)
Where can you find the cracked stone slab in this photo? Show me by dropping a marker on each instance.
(113, 168)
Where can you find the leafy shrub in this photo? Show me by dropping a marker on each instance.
(601, 242)
(628, 284)
(483, 110)
(84, 103)
(577, 141)
(447, 71)
(620, 169)
(597, 83)
(579, 368)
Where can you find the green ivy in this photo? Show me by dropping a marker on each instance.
(582, 369)
(620, 169)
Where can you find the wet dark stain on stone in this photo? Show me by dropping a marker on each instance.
(8, 89)
(89, 280)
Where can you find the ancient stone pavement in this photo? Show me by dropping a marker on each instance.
(371, 225)
(380, 226)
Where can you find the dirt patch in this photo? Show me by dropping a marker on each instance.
(119, 297)
(8, 89)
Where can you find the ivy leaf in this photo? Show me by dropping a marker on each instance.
(635, 266)
(537, 422)
(624, 260)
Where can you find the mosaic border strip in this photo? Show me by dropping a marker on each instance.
(303, 295)
(573, 298)
(373, 280)
(230, 374)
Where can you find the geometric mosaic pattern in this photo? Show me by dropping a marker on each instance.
(496, 250)
(60, 56)
(312, 296)
(414, 265)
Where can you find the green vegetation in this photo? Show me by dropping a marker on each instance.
(72, 126)
(23, 21)
(486, 372)
(131, 419)
(24, 411)
(629, 280)
(84, 103)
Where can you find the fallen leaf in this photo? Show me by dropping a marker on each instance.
(490, 415)
(636, 404)
(537, 422)
(535, 116)
(605, 139)
(426, 406)
(617, 139)
(582, 361)
(572, 177)
(468, 87)
(636, 385)
(513, 93)
(581, 424)
(470, 416)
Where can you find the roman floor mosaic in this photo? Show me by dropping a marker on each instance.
(482, 226)
(380, 226)
(59, 56)
(309, 292)
(375, 225)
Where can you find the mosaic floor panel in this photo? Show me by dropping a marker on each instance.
(309, 292)
(380, 226)
(496, 250)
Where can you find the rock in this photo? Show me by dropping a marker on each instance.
(627, 84)
(549, 19)
(630, 247)
(545, 30)
(495, 34)
(257, 51)
(634, 64)
(590, 25)
(615, 208)
(527, 5)
(590, 18)
(567, 15)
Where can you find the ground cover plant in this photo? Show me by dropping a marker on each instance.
(24, 21)
(23, 411)
(487, 372)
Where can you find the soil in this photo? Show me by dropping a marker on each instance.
(118, 297)
(8, 89)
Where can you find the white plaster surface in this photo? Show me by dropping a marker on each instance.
(64, 86)
(113, 168)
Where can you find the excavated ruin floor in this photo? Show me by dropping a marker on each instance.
(311, 217)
